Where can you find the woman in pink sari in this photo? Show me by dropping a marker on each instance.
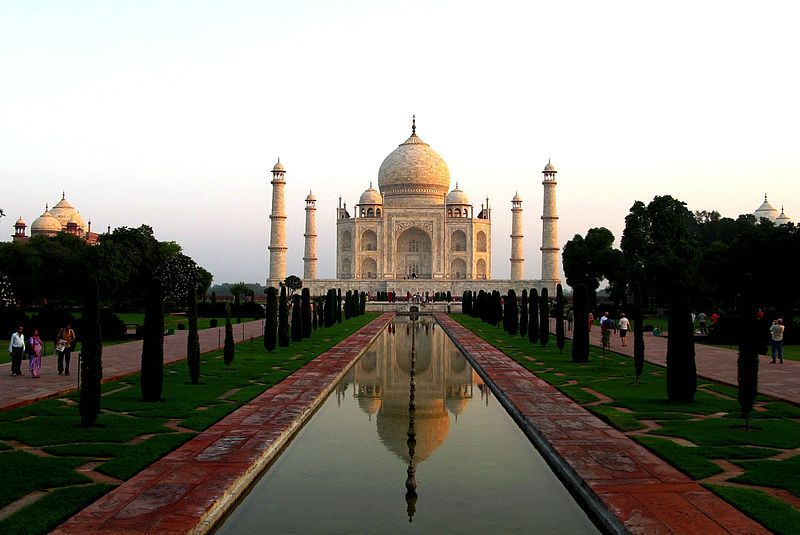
(36, 354)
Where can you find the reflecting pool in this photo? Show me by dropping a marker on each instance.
(409, 443)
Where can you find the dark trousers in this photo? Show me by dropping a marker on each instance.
(63, 360)
(16, 361)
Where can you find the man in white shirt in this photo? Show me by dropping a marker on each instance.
(15, 348)
(624, 325)
(776, 331)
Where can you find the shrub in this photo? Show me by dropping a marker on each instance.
(533, 316)
(152, 375)
(511, 313)
(544, 318)
(297, 319)
(228, 347)
(283, 319)
(193, 339)
(523, 314)
(580, 333)
(271, 320)
(681, 368)
(305, 311)
(181, 327)
(213, 322)
(559, 318)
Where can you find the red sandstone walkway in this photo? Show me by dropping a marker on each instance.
(118, 360)
(780, 381)
(628, 487)
(191, 488)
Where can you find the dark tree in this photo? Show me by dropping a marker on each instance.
(330, 308)
(498, 307)
(559, 318)
(293, 282)
(533, 316)
(544, 318)
(91, 354)
(681, 368)
(449, 296)
(228, 347)
(591, 259)
(580, 333)
(638, 331)
(305, 309)
(523, 314)
(271, 320)
(297, 319)
(362, 308)
(466, 302)
(283, 319)
(483, 306)
(338, 305)
(348, 304)
(512, 318)
(152, 375)
(193, 338)
(747, 364)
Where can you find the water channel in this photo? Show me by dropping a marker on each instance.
(405, 445)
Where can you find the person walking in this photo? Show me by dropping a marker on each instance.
(624, 325)
(607, 325)
(702, 319)
(570, 318)
(35, 348)
(15, 348)
(776, 331)
(65, 341)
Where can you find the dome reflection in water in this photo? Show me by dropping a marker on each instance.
(410, 440)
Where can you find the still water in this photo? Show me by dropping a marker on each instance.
(428, 423)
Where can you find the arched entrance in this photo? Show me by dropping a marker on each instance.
(481, 269)
(458, 269)
(369, 268)
(414, 257)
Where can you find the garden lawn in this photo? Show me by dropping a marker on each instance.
(132, 434)
(690, 436)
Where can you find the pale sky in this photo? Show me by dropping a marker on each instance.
(173, 113)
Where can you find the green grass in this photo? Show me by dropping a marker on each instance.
(171, 321)
(712, 423)
(780, 517)
(53, 425)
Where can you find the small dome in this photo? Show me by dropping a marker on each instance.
(549, 168)
(371, 196)
(46, 223)
(20, 222)
(783, 218)
(310, 197)
(278, 167)
(766, 211)
(516, 198)
(457, 196)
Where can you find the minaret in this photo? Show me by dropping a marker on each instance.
(277, 235)
(310, 256)
(517, 262)
(549, 246)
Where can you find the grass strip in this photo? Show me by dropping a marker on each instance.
(780, 517)
(51, 510)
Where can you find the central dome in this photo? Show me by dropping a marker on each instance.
(413, 173)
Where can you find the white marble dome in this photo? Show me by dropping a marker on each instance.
(457, 197)
(370, 196)
(46, 223)
(413, 174)
(766, 211)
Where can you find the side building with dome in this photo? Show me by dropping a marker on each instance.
(63, 217)
(415, 234)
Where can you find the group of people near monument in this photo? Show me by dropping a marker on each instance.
(33, 348)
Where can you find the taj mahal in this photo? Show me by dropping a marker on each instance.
(414, 234)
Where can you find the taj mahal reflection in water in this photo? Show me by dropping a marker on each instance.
(411, 438)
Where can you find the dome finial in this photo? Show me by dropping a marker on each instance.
(413, 124)
(765, 197)
(370, 184)
(63, 194)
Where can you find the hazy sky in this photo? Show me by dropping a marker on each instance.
(173, 113)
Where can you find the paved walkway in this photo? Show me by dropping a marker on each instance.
(118, 360)
(192, 487)
(781, 381)
(627, 487)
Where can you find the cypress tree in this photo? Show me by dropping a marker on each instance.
(271, 320)
(466, 303)
(497, 301)
(228, 347)
(506, 314)
(544, 318)
(449, 296)
(297, 319)
(523, 314)
(362, 308)
(533, 316)
(348, 304)
(152, 373)
(315, 315)
(338, 305)
(638, 331)
(305, 309)
(482, 311)
(512, 313)
(193, 338)
(681, 368)
(283, 319)
(330, 308)
(747, 363)
(580, 334)
(560, 318)
(91, 354)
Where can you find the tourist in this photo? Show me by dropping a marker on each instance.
(702, 319)
(624, 324)
(15, 348)
(591, 321)
(35, 348)
(570, 318)
(776, 331)
(65, 343)
(607, 325)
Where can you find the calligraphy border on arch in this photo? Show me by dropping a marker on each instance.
(403, 224)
